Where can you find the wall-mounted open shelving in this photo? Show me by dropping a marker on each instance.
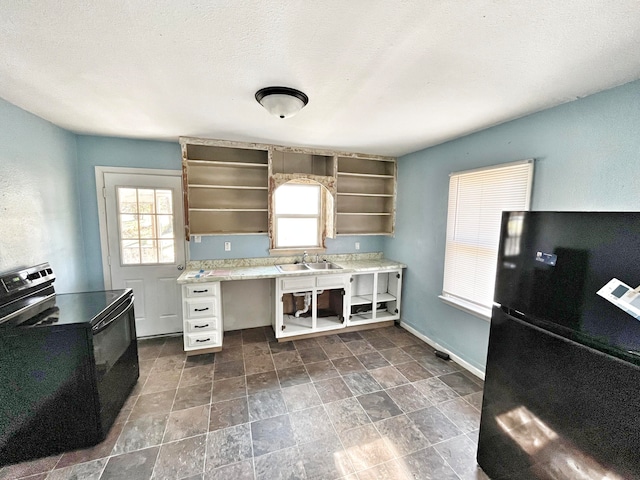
(366, 196)
(226, 186)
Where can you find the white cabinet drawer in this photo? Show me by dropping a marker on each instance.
(201, 308)
(331, 281)
(202, 326)
(298, 283)
(202, 340)
(202, 290)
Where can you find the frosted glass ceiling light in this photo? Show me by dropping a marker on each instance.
(283, 102)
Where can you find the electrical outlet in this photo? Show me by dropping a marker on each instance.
(357, 245)
(227, 246)
(197, 238)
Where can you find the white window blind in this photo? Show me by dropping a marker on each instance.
(477, 199)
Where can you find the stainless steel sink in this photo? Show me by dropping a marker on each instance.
(323, 266)
(292, 267)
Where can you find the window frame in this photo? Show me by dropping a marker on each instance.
(153, 216)
(522, 171)
(327, 210)
(318, 218)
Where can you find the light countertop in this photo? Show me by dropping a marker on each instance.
(241, 269)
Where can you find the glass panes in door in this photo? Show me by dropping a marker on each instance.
(145, 219)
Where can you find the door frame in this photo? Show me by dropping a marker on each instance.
(102, 211)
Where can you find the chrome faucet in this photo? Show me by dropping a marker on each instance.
(304, 257)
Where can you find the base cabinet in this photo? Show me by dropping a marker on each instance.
(310, 304)
(374, 297)
(202, 316)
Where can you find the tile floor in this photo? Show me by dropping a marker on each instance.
(370, 405)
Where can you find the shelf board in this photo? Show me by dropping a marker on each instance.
(227, 209)
(361, 317)
(230, 232)
(382, 297)
(361, 300)
(365, 175)
(218, 163)
(226, 187)
(343, 233)
(365, 213)
(385, 315)
(296, 326)
(386, 297)
(328, 323)
(353, 194)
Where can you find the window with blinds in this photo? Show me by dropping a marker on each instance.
(477, 199)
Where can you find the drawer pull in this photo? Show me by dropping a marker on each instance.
(201, 326)
(201, 309)
(203, 340)
(201, 291)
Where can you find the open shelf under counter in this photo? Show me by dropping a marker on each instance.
(361, 299)
(381, 297)
(328, 323)
(296, 325)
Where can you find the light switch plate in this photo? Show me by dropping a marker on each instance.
(227, 246)
(357, 245)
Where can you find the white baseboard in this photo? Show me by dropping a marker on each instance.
(467, 366)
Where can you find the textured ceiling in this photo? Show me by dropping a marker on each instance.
(386, 77)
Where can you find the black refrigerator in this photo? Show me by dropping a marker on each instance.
(562, 385)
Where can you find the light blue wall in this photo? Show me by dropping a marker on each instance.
(587, 158)
(39, 215)
(248, 246)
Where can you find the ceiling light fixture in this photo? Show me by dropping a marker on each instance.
(283, 102)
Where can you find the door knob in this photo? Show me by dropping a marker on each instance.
(180, 267)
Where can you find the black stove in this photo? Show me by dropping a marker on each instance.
(69, 361)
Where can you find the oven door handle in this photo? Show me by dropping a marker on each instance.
(104, 324)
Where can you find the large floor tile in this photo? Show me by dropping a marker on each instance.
(379, 405)
(311, 425)
(326, 459)
(228, 446)
(266, 404)
(283, 464)
(434, 425)
(332, 390)
(300, 397)
(228, 413)
(347, 414)
(187, 423)
(181, 459)
(366, 447)
(272, 434)
(136, 465)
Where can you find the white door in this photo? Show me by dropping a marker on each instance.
(144, 224)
